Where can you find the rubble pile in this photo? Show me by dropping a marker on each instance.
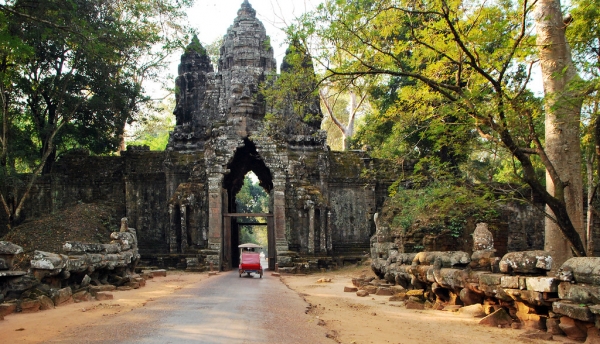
(518, 290)
(84, 272)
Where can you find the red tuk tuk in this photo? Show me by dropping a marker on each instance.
(250, 259)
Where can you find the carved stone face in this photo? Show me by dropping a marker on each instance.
(243, 95)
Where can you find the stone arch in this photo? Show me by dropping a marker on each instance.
(245, 159)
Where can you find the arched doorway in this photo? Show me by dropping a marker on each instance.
(246, 159)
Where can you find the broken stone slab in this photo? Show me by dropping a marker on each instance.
(362, 293)
(573, 329)
(451, 278)
(62, 296)
(103, 295)
(475, 311)
(159, 273)
(552, 326)
(101, 288)
(528, 317)
(497, 319)
(7, 308)
(48, 261)
(593, 335)
(82, 296)
(542, 284)
(75, 247)
(528, 296)
(448, 258)
(371, 289)
(124, 288)
(483, 259)
(579, 293)
(8, 248)
(350, 289)
(580, 270)
(29, 306)
(411, 304)
(526, 262)
(384, 291)
(12, 273)
(45, 302)
(470, 297)
(573, 310)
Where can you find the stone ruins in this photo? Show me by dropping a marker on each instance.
(322, 212)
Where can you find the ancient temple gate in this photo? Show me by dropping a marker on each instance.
(181, 201)
(320, 203)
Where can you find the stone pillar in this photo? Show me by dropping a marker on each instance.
(323, 231)
(184, 241)
(215, 218)
(172, 234)
(329, 234)
(279, 212)
(311, 226)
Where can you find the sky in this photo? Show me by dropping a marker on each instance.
(212, 18)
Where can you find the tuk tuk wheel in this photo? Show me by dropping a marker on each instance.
(240, 274)
(261, 273)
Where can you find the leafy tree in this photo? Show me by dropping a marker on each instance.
(469, 60)
(80, 80)
(153, 129)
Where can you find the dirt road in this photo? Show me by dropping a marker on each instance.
(216, 309)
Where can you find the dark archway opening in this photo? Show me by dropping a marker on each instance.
(246, 159)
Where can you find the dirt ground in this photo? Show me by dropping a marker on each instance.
(348, 318)
(374, 319)
(46, 325)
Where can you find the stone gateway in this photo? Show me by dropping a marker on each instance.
(182, 201)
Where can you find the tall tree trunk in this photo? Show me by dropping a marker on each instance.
(563, 109)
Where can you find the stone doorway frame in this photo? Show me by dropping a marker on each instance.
(226, 235)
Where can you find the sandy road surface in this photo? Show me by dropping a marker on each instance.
(200, 309)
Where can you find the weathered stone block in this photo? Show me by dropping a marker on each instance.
(528, 262)
(552, 326)
(30, 306)
(411, 304)
(362, 293)
(100, 288)
(497, 319)
(103, 295)
(384, 292)
(542, 284)
(82, 296)
(62, 297)
(580, 270)
(7, 308)
(573, 329)
(573, 310)
(8, 248)
(350, 289)
(159, 273)
(579, 293)
(475, 311)
(510, 282)
(45, 302)
(48, 261)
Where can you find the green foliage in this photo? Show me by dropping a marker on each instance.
(252, 198)
(195, 47)
(443, 205)
(153, 129)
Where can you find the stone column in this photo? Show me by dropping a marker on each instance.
(323, 230)
(184, 241)
(279, 212)
(215, 218)
(172, 234)
(311, 226)
(329, 234)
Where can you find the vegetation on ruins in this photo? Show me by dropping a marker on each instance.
(449, 88)
(71, 76)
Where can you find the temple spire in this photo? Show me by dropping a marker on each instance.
(246, 10)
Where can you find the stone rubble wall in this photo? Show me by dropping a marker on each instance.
(84, 272)
(520, 283)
